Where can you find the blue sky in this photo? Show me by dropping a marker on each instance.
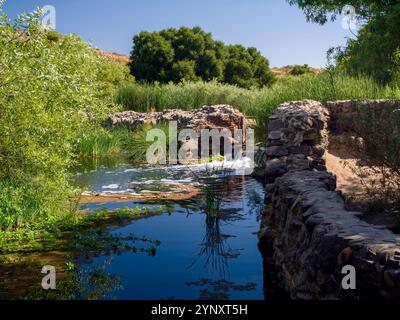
(278, 30)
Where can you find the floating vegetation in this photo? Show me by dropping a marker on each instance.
(89, 236)
(102, 242)
(91, 283)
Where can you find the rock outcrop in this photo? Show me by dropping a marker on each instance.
(312, 234)
(207, 117)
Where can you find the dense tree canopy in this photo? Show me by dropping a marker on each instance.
(321, 10)
(192, 54)
(376, 50)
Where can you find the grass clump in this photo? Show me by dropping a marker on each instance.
(99, 143)
(138, 145)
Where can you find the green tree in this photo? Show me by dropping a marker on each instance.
(320, 11)
(375, 50)
(189, 43)
(209, 66)
(152, 57)
(239, 73)
(192, 54)
(184, 70)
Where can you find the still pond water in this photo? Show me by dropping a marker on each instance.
(198, 257)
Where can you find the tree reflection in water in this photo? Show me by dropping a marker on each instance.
(213, 248)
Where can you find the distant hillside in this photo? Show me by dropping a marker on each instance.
(288, 70)
(117, 57)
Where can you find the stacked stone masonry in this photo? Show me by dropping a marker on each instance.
(305, 219)
(207, 117)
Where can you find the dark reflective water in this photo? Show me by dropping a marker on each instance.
(200, 256)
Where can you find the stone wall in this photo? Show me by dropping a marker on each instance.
(207, 117)
(346, 125)
(305, 220)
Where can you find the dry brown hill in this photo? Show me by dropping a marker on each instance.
(286, 71)
(117, 57)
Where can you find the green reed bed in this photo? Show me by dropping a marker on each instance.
(256, 103)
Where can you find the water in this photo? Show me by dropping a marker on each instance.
(199, 257)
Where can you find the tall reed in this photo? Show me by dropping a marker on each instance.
(256, 103)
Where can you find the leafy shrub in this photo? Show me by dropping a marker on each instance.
(298, 70)
(110, 76)
(53, 36)
(374, 51)
(44, 87)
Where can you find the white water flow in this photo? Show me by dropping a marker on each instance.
(131, 180)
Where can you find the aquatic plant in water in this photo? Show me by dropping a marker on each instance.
(90, 283)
